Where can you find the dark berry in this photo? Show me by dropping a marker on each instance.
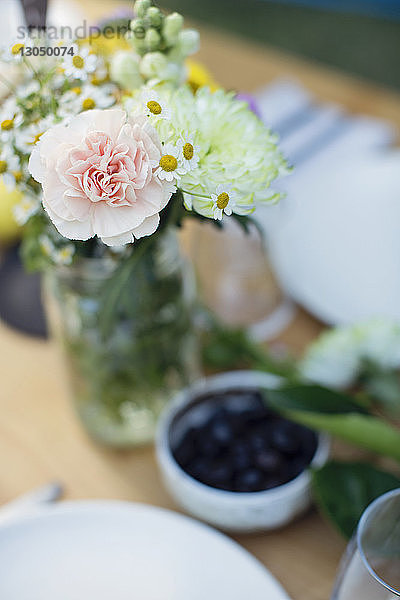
(258, 442)
(186, 449)
(273, 482)
(241, 456)
(220, 475)
(221, 432)
(283, 438)
(250, 480)
(207, 446)
(296, 466)
(269, 460)
(199, 468)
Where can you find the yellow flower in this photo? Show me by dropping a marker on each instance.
(107, 46)
(199, 76)
(9, 230)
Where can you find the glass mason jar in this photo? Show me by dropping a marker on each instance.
(121, 383)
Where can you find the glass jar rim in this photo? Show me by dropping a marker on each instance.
(381, 500)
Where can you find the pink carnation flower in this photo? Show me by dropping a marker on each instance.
(98, 176)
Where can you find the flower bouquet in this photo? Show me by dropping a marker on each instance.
(113, 149)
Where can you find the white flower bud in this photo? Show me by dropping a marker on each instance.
(173, 24)
(153, 64)
(188, 42)
(138, 28)
(140, 7)
(124, 70)
(174, 73)
(152, 39)
(139, 46)
(154, 16)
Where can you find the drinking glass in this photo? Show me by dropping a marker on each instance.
(370, 569)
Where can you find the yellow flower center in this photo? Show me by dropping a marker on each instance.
(16, 49)
(98, 80)
(17, 175)
(77, 90)
(88, 104)
(154, 107)
(78, 62)
(7, 125)
(3, 166)
(188, 151)
(65, 253)
(223, 200)
(37, 138)
(168, 163)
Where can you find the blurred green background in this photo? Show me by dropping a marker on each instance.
(359, 42)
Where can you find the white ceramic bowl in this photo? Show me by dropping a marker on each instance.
(231, 511)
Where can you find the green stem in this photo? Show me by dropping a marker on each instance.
(8, 83)
(32, 68)
(195, 194)
(116, 284)
(119, 279)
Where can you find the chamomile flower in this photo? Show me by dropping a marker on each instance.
(170, 166)
(10, 167)
(27, 89)
(86, 97)
(12, 53)
(80, 64)
(10, 119)
(223, 201)
(64, 255)
(153, 105)
(233, 146)
(27, 137)
(47, 246)
(189, 151)
(25, 209)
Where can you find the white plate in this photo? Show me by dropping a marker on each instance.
(336, 247)
(103, 550)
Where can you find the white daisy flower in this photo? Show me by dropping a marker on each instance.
(47, 246)
(25, 209)
(189, 151)
(12, 53)
(27, 89)
(153, 105)
(100, 75)
(10, 119)
(223, 201)
(234, 146)
(86, 97)
(10, 167)
(80, 64)
(64, 255)
(27, 137)
(170, 165)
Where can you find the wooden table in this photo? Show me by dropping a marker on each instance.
(40, 438)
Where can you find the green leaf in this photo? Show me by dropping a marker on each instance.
(344, 490)
(312, 398)
(225, 348)
(246, 222)
(337, 414)
(364, 431)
